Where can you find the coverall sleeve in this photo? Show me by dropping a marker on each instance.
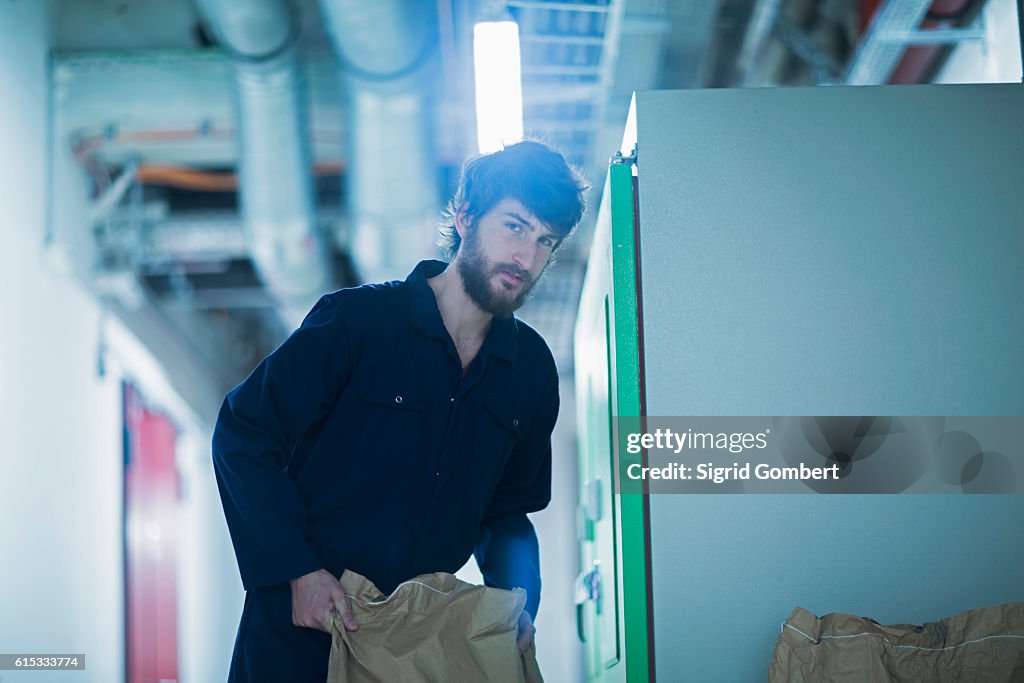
(256, 430)
(507, 550)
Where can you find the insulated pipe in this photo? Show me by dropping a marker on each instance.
(276, 194)
(1020, 35)
(384, 48)
(762, 21)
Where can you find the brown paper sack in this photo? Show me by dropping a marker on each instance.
(433, 628)
(985, 645)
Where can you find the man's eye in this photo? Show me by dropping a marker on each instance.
(513, 226)
(547, 242)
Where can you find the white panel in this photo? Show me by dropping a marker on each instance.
(830, 251)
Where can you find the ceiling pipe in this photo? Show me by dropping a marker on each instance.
(276, 195)
(759, 29)
(385, 49)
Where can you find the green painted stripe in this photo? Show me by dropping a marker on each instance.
(626, 393)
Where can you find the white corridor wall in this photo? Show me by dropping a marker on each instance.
(60, 532)
(61, 453)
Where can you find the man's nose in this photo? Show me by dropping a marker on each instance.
(525, 255)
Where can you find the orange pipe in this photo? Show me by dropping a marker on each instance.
(208, 181)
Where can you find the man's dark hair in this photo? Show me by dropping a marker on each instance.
(529, 171)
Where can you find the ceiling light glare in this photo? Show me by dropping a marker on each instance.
(499, 89)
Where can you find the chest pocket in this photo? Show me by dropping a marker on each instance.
(392, 422)
(394, 411)
(399, 394)
(509, 418)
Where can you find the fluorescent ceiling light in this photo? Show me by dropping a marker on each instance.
(499, 90)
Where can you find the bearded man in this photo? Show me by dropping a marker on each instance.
(402, 427)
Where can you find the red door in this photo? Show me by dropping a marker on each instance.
(150, 500)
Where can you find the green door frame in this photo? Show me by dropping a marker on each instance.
(626, 391)
(613, 595)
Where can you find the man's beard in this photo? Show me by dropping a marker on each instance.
(476, 276)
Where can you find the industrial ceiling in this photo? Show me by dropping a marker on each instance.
(176, 114)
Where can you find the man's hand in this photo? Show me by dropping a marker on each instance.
(526, 631)
(314, 596)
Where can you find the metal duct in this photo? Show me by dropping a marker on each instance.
(276, 194)
(762, 21)
(383, 47)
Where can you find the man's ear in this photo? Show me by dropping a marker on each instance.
(462, 221)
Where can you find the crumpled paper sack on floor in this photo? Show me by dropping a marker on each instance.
(434, 628)
(984, 644)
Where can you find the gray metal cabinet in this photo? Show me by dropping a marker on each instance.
(818, 251)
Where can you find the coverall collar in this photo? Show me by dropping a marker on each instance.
(426, 317)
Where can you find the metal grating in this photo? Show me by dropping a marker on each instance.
(568, 51)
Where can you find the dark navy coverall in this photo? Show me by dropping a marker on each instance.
(359, 444)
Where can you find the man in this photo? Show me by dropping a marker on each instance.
(402, 427)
